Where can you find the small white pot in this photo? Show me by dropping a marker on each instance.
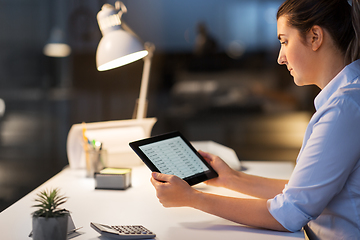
(50, 228)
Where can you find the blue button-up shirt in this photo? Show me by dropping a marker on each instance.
(324, 189)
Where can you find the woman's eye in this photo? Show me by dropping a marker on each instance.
(283, 42)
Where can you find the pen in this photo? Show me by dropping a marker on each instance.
(85, 140)
(85, 144)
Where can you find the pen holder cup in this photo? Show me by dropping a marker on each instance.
(95, 161)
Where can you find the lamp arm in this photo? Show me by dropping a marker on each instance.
(141, 110)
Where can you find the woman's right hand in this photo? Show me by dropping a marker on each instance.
(221, 167)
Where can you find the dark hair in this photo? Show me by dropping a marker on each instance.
(336, 16)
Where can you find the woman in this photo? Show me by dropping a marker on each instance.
(319, 45)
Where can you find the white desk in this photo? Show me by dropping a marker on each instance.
(139, 205)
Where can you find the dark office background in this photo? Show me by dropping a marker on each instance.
(230, 91)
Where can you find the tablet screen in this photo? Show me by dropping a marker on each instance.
(172, 154)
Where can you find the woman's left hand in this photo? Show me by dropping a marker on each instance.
(171, 190)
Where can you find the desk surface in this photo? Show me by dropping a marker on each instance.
(139, 205)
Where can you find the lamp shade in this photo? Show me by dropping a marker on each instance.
(56, 45)
(117, 47)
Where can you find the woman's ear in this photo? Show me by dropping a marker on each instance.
(316, 37)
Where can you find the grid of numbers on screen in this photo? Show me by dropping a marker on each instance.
(173, 156)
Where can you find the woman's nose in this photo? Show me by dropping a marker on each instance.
(281, 58)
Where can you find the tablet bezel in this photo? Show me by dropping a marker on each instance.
(192, 180)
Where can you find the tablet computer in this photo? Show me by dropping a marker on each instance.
(171, 153)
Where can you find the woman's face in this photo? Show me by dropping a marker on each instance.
(296, 54)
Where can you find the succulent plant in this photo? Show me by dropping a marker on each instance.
(48, 204)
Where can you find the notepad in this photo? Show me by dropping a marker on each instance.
(113, 178)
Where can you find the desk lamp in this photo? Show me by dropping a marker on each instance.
(120, 46)
(56, 45)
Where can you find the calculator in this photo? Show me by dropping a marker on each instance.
(123, 231)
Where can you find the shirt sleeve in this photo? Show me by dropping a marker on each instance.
(328, 157)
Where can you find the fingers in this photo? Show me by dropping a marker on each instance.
(158, 179)
(207, 156)
(171, 190)
(220, 166)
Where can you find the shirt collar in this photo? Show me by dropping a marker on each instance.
(343, 78)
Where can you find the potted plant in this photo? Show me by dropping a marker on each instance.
(49, 221)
